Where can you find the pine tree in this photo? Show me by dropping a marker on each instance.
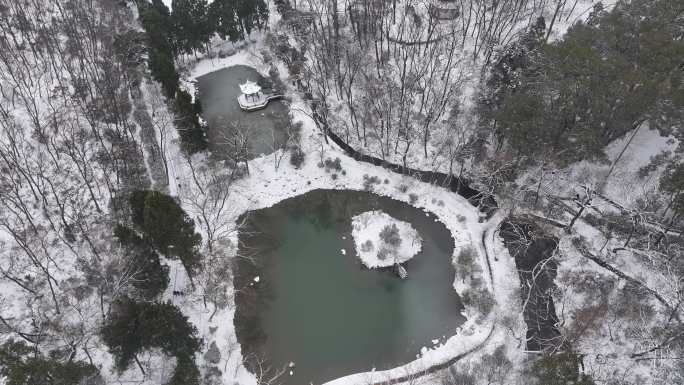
(237, 18)
(21, 364)
(560, 369)
(167, 226)
(192, 29)
(150, 278)
(192, 134)
(156, 20)
(134, 327)
(603, 79)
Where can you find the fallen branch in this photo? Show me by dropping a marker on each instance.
(585, 253)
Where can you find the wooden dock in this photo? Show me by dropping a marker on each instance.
(261, 102)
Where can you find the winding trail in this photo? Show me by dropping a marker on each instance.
(435, 368)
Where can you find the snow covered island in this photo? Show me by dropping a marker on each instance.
(382, 240)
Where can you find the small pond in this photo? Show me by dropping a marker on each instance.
(322, 309)
(218, 92)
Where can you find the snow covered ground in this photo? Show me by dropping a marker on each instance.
(373, 250)
(447, 147)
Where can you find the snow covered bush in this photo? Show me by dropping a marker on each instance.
(390, 235)
(478, 298)
(333, 165)
(413, 198)
(367, 246)
(465, 263)
(369, 181)
(297, 157)
(383, 253)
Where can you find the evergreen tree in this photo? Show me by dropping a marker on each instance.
(192, 134)
(185, 373)
(192, 29)
(559, 369)
(135, 327)
(186, 30)
(163, 70)
(236, 18)
(167, 226)
(603, 79)
(21, 364)
(672, 182)
(158, 27)
(150, 278)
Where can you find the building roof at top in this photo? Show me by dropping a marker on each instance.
(249, 88)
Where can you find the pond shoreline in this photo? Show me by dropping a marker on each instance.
(230, 128)
(254, 302)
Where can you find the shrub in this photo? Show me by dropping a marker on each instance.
(383, 253)
(367, 246)
(331, 164)
(413, 198)
(297, 157)
(496, 367)
(465, 263)
(402, 188)
(390, 235)
(369, 181)
(479, 298)
(459, 377)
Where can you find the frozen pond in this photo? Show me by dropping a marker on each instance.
(218, 92)
(320, 308)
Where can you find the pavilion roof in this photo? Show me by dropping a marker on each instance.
(249, 88)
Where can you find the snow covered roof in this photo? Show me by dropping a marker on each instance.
(249, 88)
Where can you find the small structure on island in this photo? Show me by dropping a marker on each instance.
(401, 270)
(382, 241)
(252, 98)
(444, 10)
